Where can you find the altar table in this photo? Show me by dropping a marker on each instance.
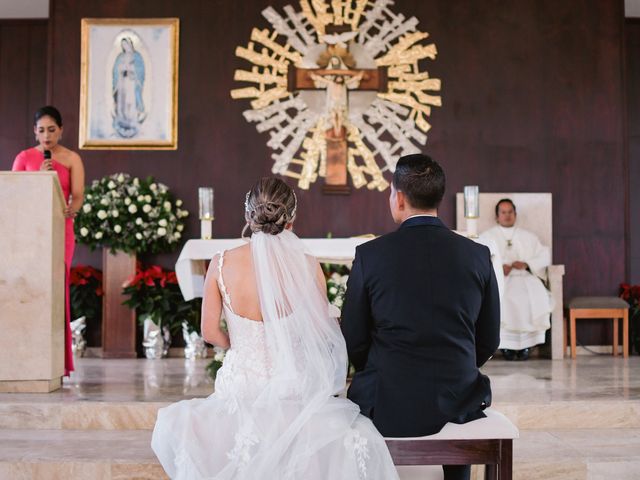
(191, 265)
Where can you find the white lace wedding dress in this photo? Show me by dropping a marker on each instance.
(274, 414)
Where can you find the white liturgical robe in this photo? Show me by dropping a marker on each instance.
(526, 304)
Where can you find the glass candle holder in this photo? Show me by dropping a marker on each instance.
(205, 197)
(205, 202)
(472, 209)
(471, 201)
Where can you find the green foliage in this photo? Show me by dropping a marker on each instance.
(213, 367)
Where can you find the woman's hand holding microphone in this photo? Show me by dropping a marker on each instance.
(48, 163)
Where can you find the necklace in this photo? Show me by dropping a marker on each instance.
(508, 240)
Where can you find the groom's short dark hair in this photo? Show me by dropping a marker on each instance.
(421, 179)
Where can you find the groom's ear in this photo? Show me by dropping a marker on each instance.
(401, 200)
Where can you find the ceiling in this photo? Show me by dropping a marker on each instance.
(40, 8)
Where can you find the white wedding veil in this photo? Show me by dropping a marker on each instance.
(306, 350)
(305, 344)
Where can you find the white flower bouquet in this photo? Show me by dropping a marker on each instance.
(127, 214)
(336, 288)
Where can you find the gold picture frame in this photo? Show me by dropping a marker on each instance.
(129, 84)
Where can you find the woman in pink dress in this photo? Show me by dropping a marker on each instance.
(68, 166)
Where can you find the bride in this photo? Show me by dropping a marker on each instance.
(275, 413)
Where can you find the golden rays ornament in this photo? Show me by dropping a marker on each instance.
(338, 87)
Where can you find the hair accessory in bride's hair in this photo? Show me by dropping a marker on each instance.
(295, 205)
(246, 201)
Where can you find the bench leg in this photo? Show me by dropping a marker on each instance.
(506, 460)
(625, 333)
(615, 337)
(572, 333)
(565, 320)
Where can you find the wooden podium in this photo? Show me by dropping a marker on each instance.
(32, 276)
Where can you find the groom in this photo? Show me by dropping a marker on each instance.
(421, 314)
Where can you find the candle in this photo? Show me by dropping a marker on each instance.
(471, 201)
(205, 200)
(205, 196)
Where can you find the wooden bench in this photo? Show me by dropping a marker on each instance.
(604, 308)
(486, 441)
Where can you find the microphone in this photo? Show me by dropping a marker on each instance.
(47, 155)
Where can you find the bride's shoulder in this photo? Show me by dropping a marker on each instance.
(241, 250)
(234, 254)
(234, 257)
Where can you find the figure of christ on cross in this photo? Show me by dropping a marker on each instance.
(337, 78)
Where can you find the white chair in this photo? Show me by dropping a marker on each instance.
(486, 441)
(535, 213)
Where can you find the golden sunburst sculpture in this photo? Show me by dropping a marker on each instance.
(338, 86)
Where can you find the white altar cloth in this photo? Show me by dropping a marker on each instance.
(190, 267)
(191, 264)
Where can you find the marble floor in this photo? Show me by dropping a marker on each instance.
(589, 378)
(578, 419)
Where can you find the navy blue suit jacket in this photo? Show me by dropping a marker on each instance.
(421, 315)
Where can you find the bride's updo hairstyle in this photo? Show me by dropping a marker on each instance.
(270, 206)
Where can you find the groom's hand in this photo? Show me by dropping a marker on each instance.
(520, 265)
(506, 269)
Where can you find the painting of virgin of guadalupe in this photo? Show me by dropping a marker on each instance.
(129, 84)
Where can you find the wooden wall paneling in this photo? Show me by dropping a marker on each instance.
(532, 101)
(22, 83)
(632, 36)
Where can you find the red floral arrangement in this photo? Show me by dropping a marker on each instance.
(85, 292)
(154, 292)
(631, 294)
(152, 276)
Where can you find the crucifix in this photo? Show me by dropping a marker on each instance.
(337, 75)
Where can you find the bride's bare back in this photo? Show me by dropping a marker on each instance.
(240, 280)
(239, 277)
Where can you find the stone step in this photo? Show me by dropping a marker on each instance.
(594, 454)
(78, 454)
(103, 455)
(79, 415)
(83, 415)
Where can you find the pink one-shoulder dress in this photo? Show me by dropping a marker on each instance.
(30, 160)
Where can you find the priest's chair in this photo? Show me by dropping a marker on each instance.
(535, 213)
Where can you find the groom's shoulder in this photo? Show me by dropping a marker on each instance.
(442, 237)
(376, 244)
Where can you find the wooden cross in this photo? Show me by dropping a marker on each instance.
(336, 178)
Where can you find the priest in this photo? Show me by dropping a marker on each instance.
(526, 304)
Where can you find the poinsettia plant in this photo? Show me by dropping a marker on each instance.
(125, 213)
(631, 294)
(85, 292)
(154, 292)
